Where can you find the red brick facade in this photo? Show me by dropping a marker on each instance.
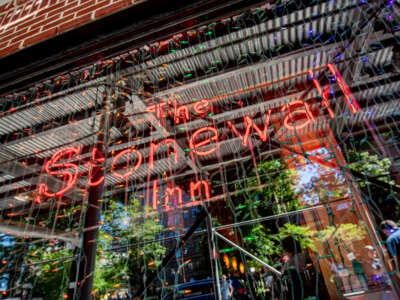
(27, 22)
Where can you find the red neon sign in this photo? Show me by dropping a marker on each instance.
(129, 170)
(178, 113)
(174, 191)
(202, 142)
(67, 170)
(202, 107)
(97, 159)
(157, 108)
(196, 186)
(351, 101)
(291, 118)
(195, 145)
(155, 193)
(250, 124)
(324, 94)
(154, 147)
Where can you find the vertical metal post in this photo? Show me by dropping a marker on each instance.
(87, 264)
(82, 270)
(213, 258)
(73, 278)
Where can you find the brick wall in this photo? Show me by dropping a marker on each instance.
(27, 22)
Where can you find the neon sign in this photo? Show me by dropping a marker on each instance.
(249, 124)
(97, 160)
(181, 113)
(129, 170)
(291, 118)
(194, 142)
(201, 142)
(67, 170)
(154, 147)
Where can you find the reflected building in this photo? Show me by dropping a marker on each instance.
(167, 144)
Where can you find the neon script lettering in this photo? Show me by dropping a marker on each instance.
(201, 142)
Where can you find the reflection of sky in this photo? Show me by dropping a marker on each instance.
(4, 282)
(170, 216)
(6, 240)
(120, 219)
(308, 177)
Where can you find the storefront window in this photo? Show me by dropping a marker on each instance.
(255, 155)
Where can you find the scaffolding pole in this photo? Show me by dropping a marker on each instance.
(264, 264)
(82, 269)
(213, 254)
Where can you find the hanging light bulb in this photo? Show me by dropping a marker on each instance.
(226, 261)
(241, 268)
(234, 263)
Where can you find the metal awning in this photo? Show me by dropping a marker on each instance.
(33, 132)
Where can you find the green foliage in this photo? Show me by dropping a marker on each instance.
(264, 245)
(111, 268)
(48, 271)
(372, 166)
(379, 169)
(302, 234)
(276, 194)
(347, 232)
(64, 219)
(133, 228)
(267, 246)
(129, 229)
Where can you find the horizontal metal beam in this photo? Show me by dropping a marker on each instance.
(27, 230)
(264, 264)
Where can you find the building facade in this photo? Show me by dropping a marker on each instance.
(152, 148)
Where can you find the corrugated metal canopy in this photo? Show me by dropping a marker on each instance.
(52, 120)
